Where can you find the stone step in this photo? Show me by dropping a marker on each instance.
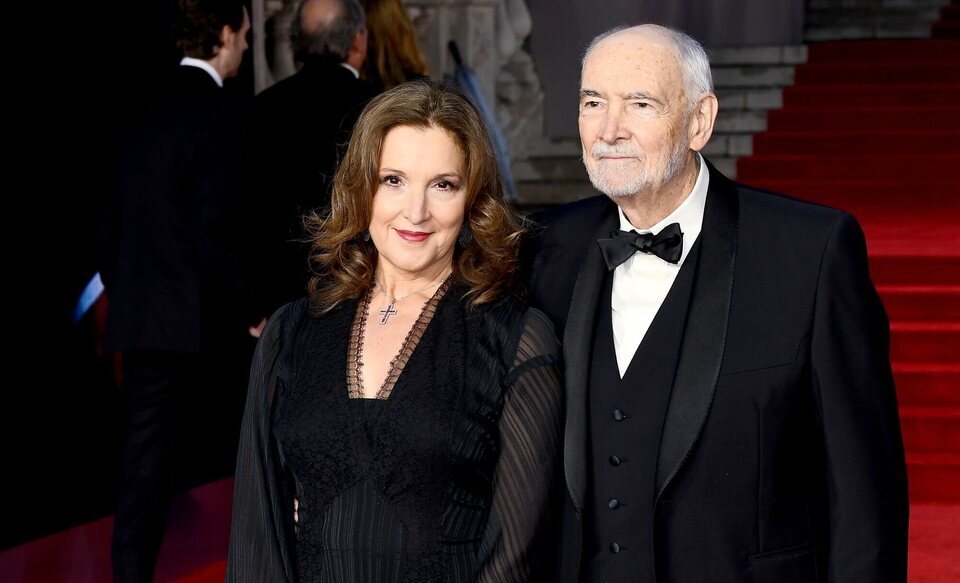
(747, 121)
(906, 20)
(865, 4)
(751, 98)
(753, 56)
(729, 145)
(753, 76)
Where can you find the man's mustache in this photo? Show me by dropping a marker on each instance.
(599, 150)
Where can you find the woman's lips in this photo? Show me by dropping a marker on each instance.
(413, 236)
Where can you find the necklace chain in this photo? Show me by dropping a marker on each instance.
(391, 309)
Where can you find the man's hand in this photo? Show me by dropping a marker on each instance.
(255, 331)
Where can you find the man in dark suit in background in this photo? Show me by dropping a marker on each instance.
(730, 408)
(298, 126)
(181, 311)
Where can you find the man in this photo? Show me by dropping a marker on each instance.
(298, 126)
(172, 263)
(730, 409)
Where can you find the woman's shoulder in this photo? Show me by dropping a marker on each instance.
(284, 316)
(532, 331)
(539, 338)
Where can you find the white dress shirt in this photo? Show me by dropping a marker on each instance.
(641, 283)
(200, 64)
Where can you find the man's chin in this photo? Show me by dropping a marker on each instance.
(617, 190)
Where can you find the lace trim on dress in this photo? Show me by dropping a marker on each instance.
(355, 348)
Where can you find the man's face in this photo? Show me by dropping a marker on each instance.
(634, 114)
(235, 45)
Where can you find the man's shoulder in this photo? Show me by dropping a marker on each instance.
(320, 90)
(783, 211)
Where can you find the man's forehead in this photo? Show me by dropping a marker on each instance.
(630, 63)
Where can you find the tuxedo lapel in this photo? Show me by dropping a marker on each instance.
(704, 337)
(577, 339)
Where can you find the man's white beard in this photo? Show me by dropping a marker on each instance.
(614, 180)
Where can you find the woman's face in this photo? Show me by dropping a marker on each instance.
(420, 202)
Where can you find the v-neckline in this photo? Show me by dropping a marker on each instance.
(355, 387)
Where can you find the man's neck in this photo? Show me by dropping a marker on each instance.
(646, 209)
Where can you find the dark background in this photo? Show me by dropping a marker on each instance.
(76, 71)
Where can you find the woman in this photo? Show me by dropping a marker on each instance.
(403, 423)
(393, 53)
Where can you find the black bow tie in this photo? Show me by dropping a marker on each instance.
(667, 245)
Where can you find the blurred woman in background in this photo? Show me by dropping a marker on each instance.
(393, 54)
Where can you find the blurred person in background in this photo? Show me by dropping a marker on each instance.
(394, 54)
(181, 303)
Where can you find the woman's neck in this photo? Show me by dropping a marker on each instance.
(399, 284)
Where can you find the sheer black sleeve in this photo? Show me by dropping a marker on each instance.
(518, 529)
(262, 506)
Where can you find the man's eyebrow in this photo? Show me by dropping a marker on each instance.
(589, 93)
(642, 95)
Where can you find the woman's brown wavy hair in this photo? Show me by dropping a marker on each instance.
(344, 263)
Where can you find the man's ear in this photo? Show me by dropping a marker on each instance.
(227, 35)
(702, 118)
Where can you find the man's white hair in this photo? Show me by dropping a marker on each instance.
(694, 63)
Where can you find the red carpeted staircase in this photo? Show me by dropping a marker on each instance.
(873, 127)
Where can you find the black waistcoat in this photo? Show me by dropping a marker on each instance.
(625, 420)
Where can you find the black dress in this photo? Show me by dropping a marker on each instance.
(398, 488)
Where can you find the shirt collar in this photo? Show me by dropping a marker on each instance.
(350, 68)
(689, 214)
(201, 64)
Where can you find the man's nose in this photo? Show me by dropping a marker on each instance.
(612, 128)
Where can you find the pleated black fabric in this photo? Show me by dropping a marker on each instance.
(449, 479)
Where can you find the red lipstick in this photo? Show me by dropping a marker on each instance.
(413, 236)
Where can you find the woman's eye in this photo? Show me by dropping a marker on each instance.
(447, 185)
(391, 180)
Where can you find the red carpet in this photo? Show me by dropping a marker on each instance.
(896, 166)
(873, 127)
(195, 548)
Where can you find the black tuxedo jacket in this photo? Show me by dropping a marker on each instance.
(300, 126)
(780, 458)
(174, 259)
